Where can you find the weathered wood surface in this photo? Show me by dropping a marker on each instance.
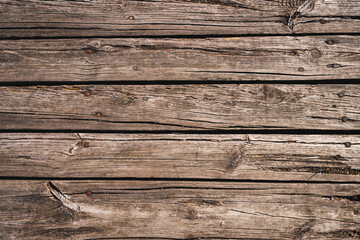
(255, 157)
(38, 18)
(177, 210)
(180, 107)
(244, 58)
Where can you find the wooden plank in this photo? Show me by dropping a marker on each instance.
(180, 107)
(177, 210)
(245, 58)
(38, 18)
(256, 157)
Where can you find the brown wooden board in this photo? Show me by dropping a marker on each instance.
(147, 59)
(177, 210)
(201, 156)
(180, 107)
(35, 18)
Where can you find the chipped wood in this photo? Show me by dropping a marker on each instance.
(149, 59)
(202, 156)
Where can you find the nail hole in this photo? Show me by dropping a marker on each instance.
(86, 144)
(334, 65)
(98, 114)
(348, 144)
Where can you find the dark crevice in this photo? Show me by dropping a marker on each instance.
(344, 169)
(353, 198)
(29, 178)
(241, 131)
(181, 36)
(164, 238)
(179, 82)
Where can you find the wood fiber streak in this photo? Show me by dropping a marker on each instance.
(38, 18)
(246, 157)
(147, 59)
(180, 107)
(177, 210)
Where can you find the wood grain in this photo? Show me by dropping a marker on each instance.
(254, 157)
(38, 18)
(147, 59)
(177, 210)
(180, 107)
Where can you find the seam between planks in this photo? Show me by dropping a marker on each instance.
(171, 180)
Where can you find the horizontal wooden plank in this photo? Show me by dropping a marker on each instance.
(38, 18)
(180, 107)
(177, 210)
(256, 157)
(245, 58)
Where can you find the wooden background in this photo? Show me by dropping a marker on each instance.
(180, 119)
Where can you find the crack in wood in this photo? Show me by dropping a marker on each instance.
(346, 170)
(58, 195)
(353, 198)
(224, 3)
(299, 8)
(80, 208)
(342, 234)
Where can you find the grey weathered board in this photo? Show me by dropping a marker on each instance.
(38, 18)
(180, 107)
(110, 128)
(177, 210)
(179, 156)
(240, 58)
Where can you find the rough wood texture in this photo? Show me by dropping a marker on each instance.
(245, 58)
(255, 157)
(38, 18)
(177, 210)
(180, 107)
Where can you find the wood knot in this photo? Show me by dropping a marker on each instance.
(76, 148)
(315, 53)
(334, 65)
(107, 48)
(93, 45)
(235, 159)
(275, 94)
(297, 8)
(304, 230)
(191, 214)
